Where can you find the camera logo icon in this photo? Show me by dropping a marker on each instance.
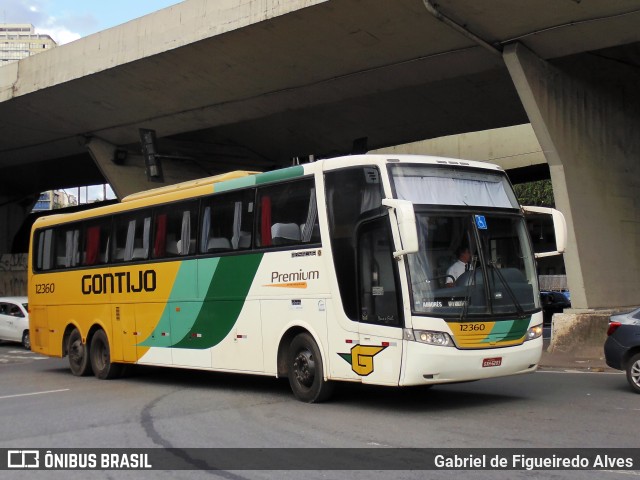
(23, 459)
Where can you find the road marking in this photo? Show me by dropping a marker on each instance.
(624, 472)
(22, 357)
(34, 393)
(27, 354)
(580, 371)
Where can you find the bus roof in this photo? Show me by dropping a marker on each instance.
(188, 184)
(241, 178)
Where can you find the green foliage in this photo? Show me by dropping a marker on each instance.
(538, 193)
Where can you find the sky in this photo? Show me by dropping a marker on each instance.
(69, 20)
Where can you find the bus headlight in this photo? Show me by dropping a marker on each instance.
(441, 339)
(533, 333)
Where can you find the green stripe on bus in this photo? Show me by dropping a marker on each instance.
(259, 178)
(284, 174)
(507, 330)
(519, 328)
(183, 288)
(223, 302)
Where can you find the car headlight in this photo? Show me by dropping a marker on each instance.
(440, 339)
(533, 333)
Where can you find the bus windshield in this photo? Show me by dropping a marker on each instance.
(440, 185)
(497, 278)
(475, 259)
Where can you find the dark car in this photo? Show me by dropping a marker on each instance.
(553, 302)
(622, 347)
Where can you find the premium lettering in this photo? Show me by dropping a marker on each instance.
(120, 282)
(294, 276)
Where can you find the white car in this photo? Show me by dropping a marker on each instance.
(14, 320)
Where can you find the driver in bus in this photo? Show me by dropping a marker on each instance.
(460, 266)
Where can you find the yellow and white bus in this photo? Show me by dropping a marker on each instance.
(330, 271)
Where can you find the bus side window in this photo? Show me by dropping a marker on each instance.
(66, 244)
(44, 253)
(96, 242)
(287, 214)
(227, 221)
(175, 229)
(130, 240)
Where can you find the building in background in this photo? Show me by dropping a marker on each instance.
(54, 199)
(19, 40)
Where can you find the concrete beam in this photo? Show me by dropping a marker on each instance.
(510, 147)
(130, 175)
(586, 118)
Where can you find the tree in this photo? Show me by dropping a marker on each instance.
(539, 193)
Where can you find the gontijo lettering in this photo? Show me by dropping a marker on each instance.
(120, 282)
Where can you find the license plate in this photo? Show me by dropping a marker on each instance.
(492, 362)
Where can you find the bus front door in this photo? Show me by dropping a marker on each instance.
(378, 357)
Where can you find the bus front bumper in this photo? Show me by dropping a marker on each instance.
(427, 364)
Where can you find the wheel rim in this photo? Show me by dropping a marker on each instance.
(304, 368)
(101, 357)
(76, 353)
(635, 374)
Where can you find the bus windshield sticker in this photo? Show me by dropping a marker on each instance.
(481, 222)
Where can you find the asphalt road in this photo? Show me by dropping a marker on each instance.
(43, 406)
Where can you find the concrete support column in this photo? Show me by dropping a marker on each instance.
(587, 120)
(13, 212)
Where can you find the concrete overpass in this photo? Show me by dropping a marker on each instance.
(230, 84)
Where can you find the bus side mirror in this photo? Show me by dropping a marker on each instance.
(559, 228)
(406, 218)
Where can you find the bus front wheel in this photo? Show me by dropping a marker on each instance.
(78, 354)
(305, 370)
(101, 357)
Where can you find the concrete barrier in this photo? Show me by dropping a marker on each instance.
(580, 334)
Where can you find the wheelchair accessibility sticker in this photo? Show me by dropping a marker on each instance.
(481, 222)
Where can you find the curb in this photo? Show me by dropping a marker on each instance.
(551, 361)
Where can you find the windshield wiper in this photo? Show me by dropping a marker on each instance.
(467, 295)
(519, 308)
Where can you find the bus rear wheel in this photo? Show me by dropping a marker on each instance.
(101, 358)
(306, 372)
(78, 354)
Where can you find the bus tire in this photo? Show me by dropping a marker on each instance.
(78, 355)
(305, 370)
(633, 372)
(101, 357)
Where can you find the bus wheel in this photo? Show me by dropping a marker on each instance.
(101, 358)
(305, 370)
(78, 355)
(26, 340)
